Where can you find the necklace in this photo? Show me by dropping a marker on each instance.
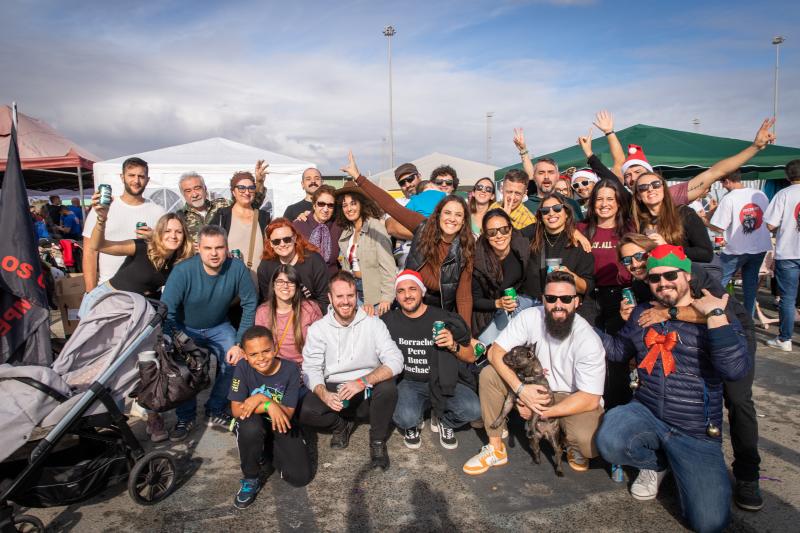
(551, 243)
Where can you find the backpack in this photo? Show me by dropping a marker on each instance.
(176, 373)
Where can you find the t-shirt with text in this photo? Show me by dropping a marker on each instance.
(741, 214)
(282, 387)
(783, 212)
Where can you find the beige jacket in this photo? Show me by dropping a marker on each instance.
(375, 259)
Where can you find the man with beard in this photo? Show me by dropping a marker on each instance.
(573, 359)
(125, 212)
(675, 417)
(310, 182)
(349, 361)
(435, 372)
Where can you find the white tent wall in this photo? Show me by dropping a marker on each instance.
(468, 171)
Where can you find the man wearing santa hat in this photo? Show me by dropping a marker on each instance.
(583, 182)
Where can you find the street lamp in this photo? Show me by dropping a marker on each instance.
(389, 32)
(777, 42)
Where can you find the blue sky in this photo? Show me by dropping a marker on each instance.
(309, 79)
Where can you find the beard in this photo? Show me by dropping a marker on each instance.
(668, 300)
(409, 307)
(558, 328)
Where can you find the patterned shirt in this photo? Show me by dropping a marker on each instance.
(520, 217)
(195, 219)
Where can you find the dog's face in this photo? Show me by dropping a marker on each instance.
(523, 361)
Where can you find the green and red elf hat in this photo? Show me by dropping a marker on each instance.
(669, 255)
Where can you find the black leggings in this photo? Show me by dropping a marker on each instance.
(290, 454)
(617, 388)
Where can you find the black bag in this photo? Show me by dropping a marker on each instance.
(179, 372)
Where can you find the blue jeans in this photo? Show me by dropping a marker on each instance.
(218, 340)
(501, 319)
(750, 265)
(787, 273)
(413, 397)
(632, 435)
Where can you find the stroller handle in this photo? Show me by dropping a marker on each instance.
(161, 311)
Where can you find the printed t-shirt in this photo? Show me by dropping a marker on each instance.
(414, 337)
(282, 387)
(608, 272)
(741, 214)
(784, 213)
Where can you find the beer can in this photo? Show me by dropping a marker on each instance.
(141, 225)
(627, 293)
(511, 292)
(617, 474)
(105, 194)
(345, 403)
(236, 254)
(552, 264)
(718, 241)
(479, 350)
(438, 326)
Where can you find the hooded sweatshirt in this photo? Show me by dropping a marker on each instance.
(334, 353)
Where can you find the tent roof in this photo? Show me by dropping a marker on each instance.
(41, 146)
(468, 171)
(677, 154)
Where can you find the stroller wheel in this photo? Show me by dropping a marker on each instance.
(28, 524)
(152, 478)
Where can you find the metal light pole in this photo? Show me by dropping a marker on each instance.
(489, 115)
(389, 32)
(777, 42)
(696, 124)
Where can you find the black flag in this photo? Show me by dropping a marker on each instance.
(24, 314)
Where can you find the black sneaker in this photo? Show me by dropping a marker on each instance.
(747, 495)
(341, 434)
(411, 438)
(378, 454)
(181, 430)
(220, 421)
(447, 437)
(247, 493)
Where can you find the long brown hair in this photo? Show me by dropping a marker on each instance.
(668, 221)
(432, 234)
(301, 246)
(537, 243)
(158, 254)
(297, 305)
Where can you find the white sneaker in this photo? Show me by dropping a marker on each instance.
(786, 346)
(646, 485)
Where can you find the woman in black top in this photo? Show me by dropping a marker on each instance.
(501, 257)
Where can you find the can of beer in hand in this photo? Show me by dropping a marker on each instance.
(627, 293)
(345, 403)
(510, 292)
(140, 225)
(552, 264)
(105, 194)
(479, 350)
(236, 254)
(718, 242)
(438, 326)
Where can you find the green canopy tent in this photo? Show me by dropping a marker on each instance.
(677, 154)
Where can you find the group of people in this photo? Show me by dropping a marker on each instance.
(356, 306)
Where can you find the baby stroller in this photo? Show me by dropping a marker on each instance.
(63, 435)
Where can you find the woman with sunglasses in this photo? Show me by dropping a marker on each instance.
(554, 241)
(284, 245)
(656, 216)
(287, 313)
(366, 247)
(501, 258)
(479, 201)
(320, 228)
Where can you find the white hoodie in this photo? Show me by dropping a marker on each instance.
(335, 353)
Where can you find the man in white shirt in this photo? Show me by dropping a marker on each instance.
(125, 212)
(783, 218)
(574, 362)
(740, 217)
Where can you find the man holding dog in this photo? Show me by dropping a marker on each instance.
(573, 358)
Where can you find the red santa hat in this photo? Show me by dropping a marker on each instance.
(585, 173)
(635, 157)
(411, 275)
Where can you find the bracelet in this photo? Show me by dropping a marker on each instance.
(523, 152)
(519, 389)
(609, 133)
(364, 382)
(267, 404)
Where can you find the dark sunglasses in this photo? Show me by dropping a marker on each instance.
(330, 205)
(502, 230)
(243, 188)
(484, 188)
(639, 256)
(556, 208)
(408, 179)
(443, 182)
(552, 298)
(644, 187)
(284, 240)
(670, 275)
(578, 184)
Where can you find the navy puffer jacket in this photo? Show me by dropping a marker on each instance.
(703, 358)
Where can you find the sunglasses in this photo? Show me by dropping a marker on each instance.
(484, 188)
(578, 184)
(556, 208)
(408, 179)
(323, 205)
(448, 183)
(552, 298)
(243, 188)
(670, 275)
(639, 256)
(502, 230)
(284, 240)
(644, 187)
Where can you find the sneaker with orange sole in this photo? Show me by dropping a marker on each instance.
(485, 459)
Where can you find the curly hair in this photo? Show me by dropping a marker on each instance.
(537, 243)
(432, 233)
(369, 209)
(301, 245)
(445, 170)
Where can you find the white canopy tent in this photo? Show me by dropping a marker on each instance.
(468, 171)
(215, 159)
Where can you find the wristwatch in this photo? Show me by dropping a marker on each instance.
(673, 312)
(715, 312)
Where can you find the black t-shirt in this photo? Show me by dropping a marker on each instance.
(296, 209)
(572, 257)
(283, 386)
(137, 274)
(512, 271)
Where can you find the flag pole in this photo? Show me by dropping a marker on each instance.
(14, 115)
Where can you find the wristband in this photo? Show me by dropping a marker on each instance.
(364, 382)
(519, 389)
(523, 152)
(266, 404)
(609, 133)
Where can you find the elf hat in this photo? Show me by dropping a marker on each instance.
(636, 157)
(669, 255)
(585, 173)
(412, 275)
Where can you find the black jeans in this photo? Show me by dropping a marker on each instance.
(743, 426)
(617, 389)
(290, 454)
(378, 410)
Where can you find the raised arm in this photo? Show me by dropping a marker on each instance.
(519, 142)
(98, 240)
(261, 189)
(605, 122)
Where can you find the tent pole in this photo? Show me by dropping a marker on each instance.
(80, 189)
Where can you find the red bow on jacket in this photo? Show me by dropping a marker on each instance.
(659, 345)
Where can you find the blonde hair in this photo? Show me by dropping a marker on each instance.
(157, 253)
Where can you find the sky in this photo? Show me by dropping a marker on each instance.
(309, 79)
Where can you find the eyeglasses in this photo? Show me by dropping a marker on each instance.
(669, 275)
(644, 187)
(578, 184)
(502, 230)
(247, 188)
(408, 179)
(556, 208)
(484, 188)
(323, 205)
(284, 283)
(552, 298)
(440, 182)
(284, 240)
(639, 256)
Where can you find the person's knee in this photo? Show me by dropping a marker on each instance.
(406, 414)
(605, 439)
(385, 391)
(471, 409)
(299, 476)
(705, 518)
(250, 428)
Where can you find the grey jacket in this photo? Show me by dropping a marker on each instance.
(375, 259)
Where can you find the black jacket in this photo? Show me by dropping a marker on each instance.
(450, 271)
